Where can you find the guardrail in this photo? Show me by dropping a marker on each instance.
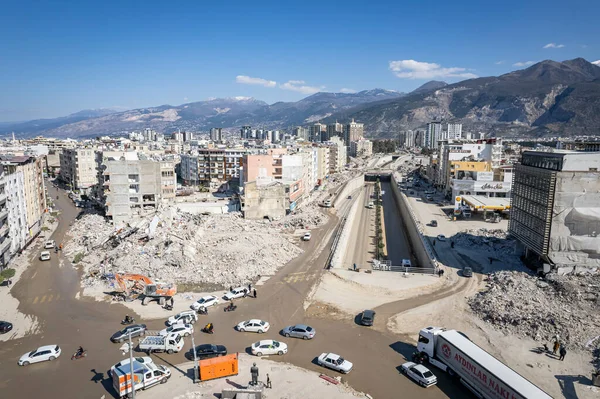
(404, 269)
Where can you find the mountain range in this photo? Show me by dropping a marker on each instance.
(548, 98)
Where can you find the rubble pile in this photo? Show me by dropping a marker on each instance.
(176, 246)
(537, 308)
(491, 239)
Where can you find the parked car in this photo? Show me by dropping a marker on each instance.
(334, 362)
(433, 223)
(207, 351)
(306, 236)
(429, 198)
(186, 317)
(49, 244)
(441, 237)
(268, 347)
(467, 272)
(406, 263)
(205, 302)
(41, 354)
(238, 292)
(299, 331)
(5, 327)
(184, 330)
(45, 255)
(349, 197)
(137, 330)
(419, 373)
(367, 318)
(254, 325)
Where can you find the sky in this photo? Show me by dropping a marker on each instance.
(60, 57)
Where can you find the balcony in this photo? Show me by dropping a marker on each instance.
(4, 230)
(2, 198)
(4, 246)
(3, 214)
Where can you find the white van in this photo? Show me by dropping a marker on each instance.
(371, 205)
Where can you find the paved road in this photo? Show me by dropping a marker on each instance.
(398, 245)
(70, 322)
(361, 240)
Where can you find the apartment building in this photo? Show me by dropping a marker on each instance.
(361, 148)
(315, 132)
(301, 133)
(211, 164)
(216, 134)
(135, 187)
(322, 164)
(5, 242)
(78, 169)
(335, 130)
(337, 154)
(433, 134)
(453, 131)
(354, 131)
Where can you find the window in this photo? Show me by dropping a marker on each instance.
(423, 340)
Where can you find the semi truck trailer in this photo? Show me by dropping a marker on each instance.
(483, 374)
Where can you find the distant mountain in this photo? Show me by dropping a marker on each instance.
(429, 86)
(202, 115)
(548, 98)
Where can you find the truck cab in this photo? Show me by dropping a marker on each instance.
(426, 343)
(145, 375)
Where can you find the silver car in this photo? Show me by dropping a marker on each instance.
(299, 331)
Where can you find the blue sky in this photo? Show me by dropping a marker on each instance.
(59, 57)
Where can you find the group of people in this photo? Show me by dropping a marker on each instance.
(560, 348)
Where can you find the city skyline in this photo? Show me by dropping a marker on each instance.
(64, 58)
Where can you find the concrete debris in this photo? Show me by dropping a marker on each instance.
(528, 306)
(223, 250)
(491, 239)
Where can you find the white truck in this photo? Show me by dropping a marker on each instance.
(145, 375)
(327, 203)
(480, 372)
(172, 343)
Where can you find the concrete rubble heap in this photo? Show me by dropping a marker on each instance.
(183, 248)
(493, 240)
(537, 308)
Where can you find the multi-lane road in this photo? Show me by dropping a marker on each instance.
(50, 293)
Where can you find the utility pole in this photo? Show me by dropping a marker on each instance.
(131, 366)
(196, 374)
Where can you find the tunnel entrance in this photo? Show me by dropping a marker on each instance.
(387, 177)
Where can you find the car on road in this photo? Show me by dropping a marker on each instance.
(467, 272)
(429, 198)
(349, 197)
(235, 293)
(49, 244)
(334, 362)
(207, 351)
(441, 237)
(367, 318)
(433, 223)
(254, 325)
(45, 255)
(299, 331)
(41, 354)
(136, 330)
(419, 373)
(371, 205)
(184, 330)
(185, 317)
(268, 347)
(5, 327)
(306, 236)
(205, 302)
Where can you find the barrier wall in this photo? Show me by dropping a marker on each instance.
(349, 187)
(421, 247)
(337, 259)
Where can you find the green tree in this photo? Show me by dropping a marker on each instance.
(7, 273)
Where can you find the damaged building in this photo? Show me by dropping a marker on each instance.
(555, 210)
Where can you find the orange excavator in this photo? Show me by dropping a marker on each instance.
(141, 285)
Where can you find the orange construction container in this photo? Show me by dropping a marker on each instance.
(218, 367)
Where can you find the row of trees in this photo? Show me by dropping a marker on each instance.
(379, 244)
(385, 146)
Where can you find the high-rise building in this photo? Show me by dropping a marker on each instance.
(335, 129)
(433, 134)
(410, 139)
(454, 131)
(337, 154)
(354, 131)
(5, 242)
(315, 131)
(187, 136)
(78, 169)
(246, 132)
(302, 133)
(555, 209)
(216, 134)
(361, 148)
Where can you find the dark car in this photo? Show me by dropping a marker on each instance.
(467, 272)
(5, 327)
(433, 223)
(136, 331)
(206, 351)
(367, 318)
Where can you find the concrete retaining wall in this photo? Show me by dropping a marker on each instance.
(421, 247)
(350, 186)
(337, 259)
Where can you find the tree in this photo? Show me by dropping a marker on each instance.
(1, 279)
(7, 273)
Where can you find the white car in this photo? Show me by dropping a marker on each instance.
(186, 317)
(268, 347)
(441, 237)
(306, 236)
(254, 325)
(184, 330)
(205, 302)
(45, 255)
(235, 293)
(419, 373)
(334, 362)
(49, 244)
(41, 354)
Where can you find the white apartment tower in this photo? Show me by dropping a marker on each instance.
(454, 131)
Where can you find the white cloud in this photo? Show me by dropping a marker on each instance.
(596, 62)
(247, 80)
(185, 98)
(500, 62)
(554, 45)
(345, 90)
(300, 87)
(522, 64)
(411, 69)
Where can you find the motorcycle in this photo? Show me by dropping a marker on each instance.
(202, 310)
(168, 307)
(230, 308)
(130, 321)
(79, 355)
(206, 330)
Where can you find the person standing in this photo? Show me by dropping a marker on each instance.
(269, 382)
(249, 288)
(255, 293)
(555, 347)
(563, 352)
